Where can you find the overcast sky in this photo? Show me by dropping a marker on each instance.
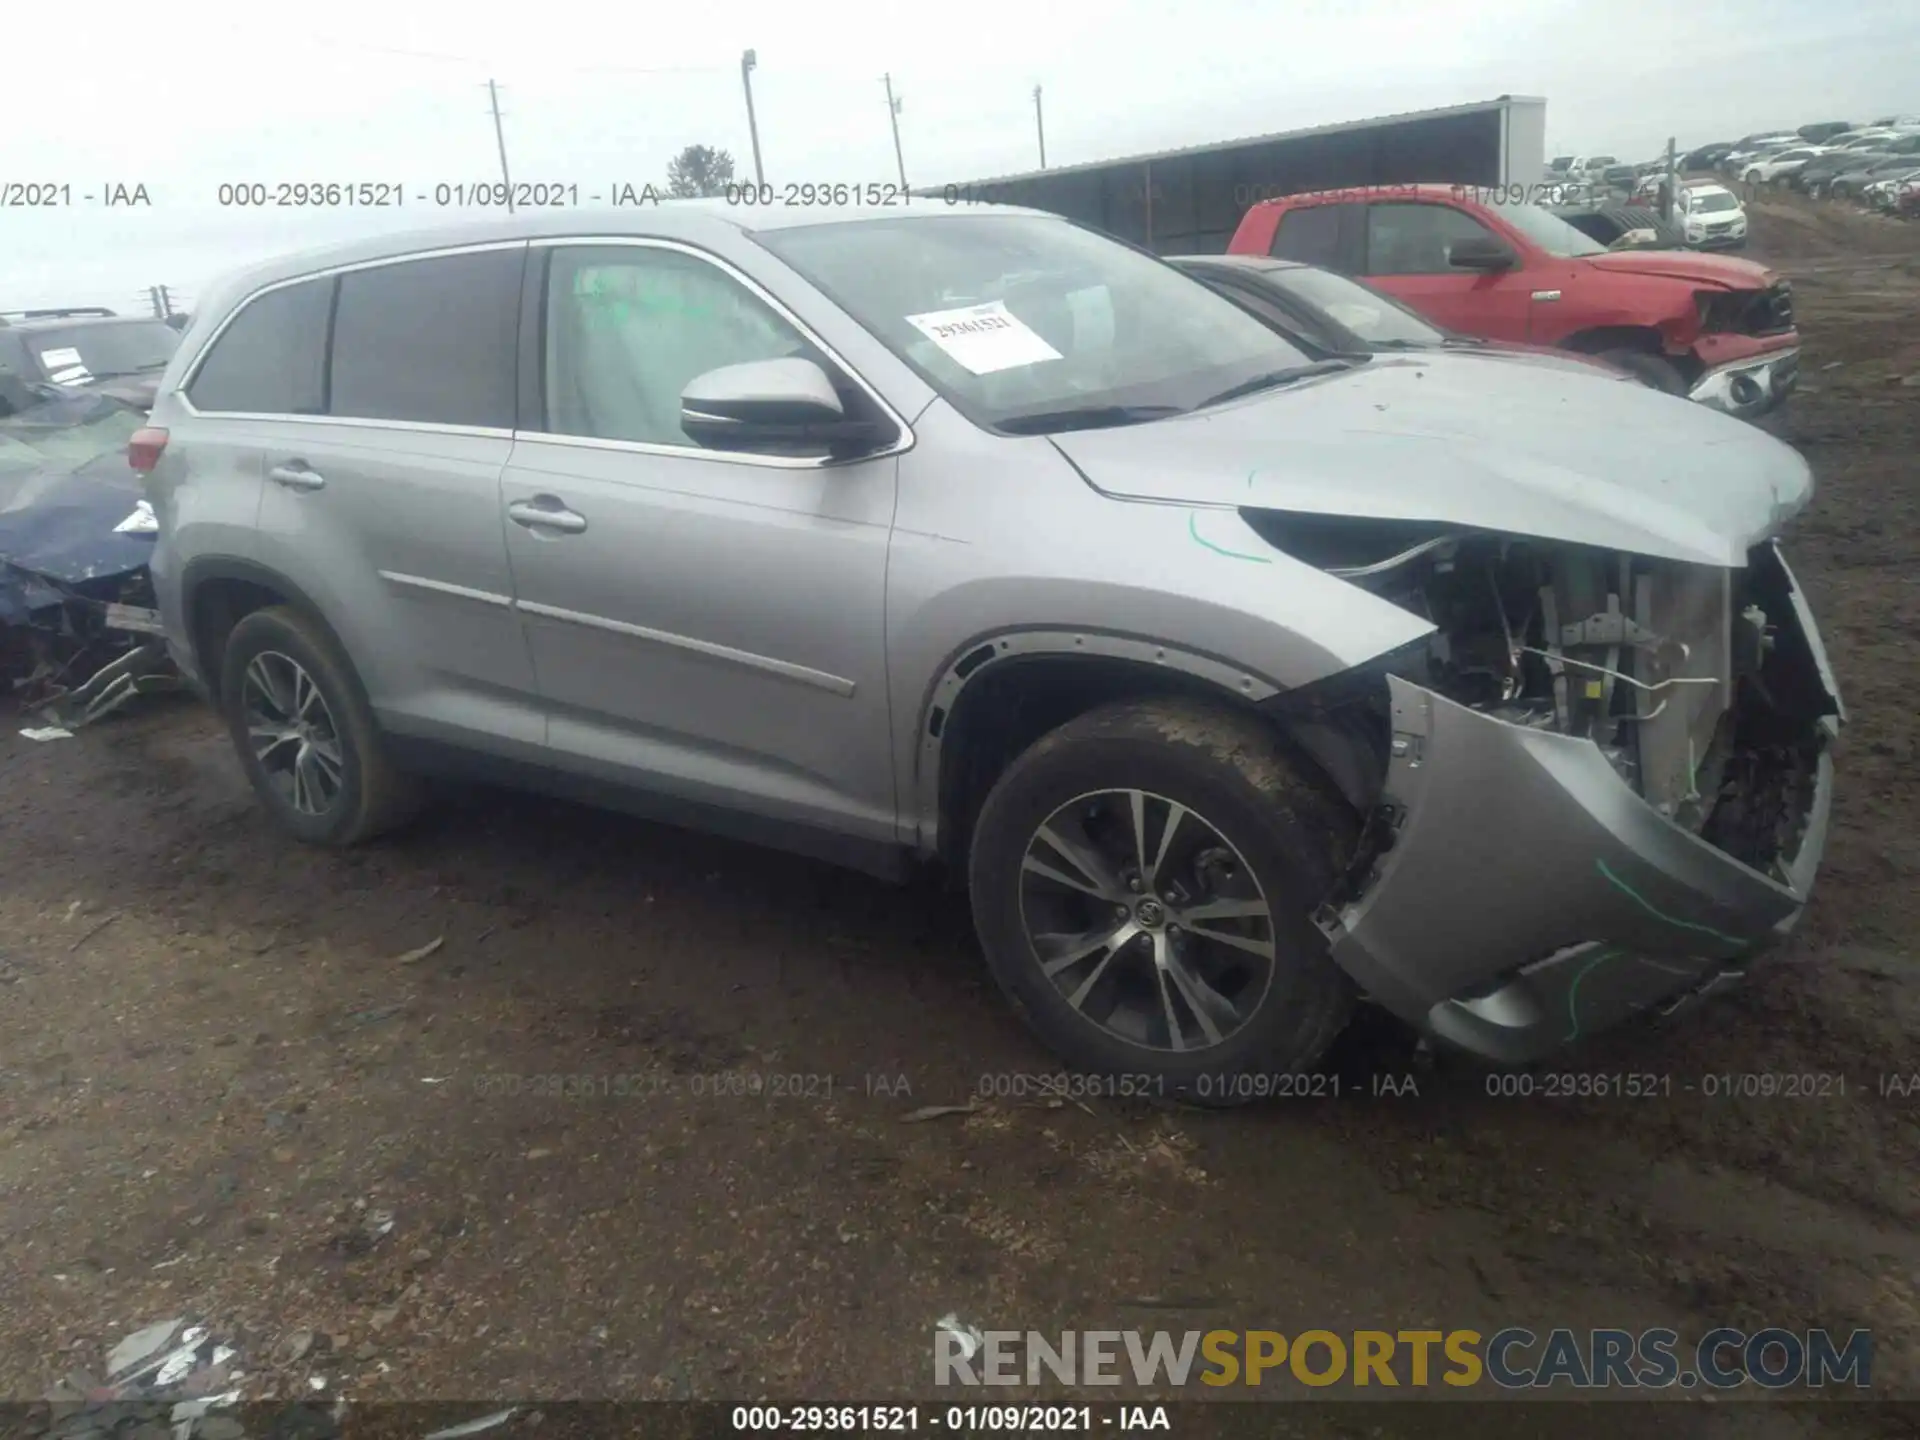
(596, 93)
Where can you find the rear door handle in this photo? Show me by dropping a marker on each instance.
(546, 512)
(297, 476)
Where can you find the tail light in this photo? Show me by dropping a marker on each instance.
(144, 449)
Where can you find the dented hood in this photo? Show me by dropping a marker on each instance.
(1517, 449)
(1724, 272)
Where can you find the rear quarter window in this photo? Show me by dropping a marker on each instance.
(271, 357)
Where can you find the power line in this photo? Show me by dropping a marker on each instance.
(361, 47)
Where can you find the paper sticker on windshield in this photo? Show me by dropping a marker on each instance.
(61, 359)
(71, 375)
(983, 338)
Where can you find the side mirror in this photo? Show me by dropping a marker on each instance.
(771, 405)
(1481, 252)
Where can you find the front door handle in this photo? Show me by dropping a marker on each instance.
(297, 476)
(546, 512)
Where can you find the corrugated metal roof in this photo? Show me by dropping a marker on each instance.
(1214, 147)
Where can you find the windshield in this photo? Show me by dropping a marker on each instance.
(1549, 231)
(1367, 313)
(1709, 202)
(1027, 315)
(74, 355)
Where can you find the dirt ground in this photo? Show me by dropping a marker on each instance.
(214, 1068)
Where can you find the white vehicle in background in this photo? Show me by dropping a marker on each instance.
(1757, 147)
(1885, 194)
(1713, 217)
(1780, 165)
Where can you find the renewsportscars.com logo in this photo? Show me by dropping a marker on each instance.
(1511, 1359)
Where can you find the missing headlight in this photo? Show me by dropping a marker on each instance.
(1634, 654)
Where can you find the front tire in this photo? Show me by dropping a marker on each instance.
(1143, 884)
(305, 733)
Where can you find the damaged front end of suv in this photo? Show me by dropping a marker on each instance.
(1599, 786)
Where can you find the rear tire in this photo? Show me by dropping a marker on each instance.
(1655, 371)
(305, 733)
(1221, 818)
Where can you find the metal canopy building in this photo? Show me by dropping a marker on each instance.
(1189, 201)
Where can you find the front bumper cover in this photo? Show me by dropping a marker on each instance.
(1531, 897)
(1751, 387)
(1719, 240)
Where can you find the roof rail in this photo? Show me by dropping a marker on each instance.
(66, 313)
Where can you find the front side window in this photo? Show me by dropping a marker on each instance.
(1417, 239)
(429, 341)
(629, 325)
(1017, 319)
(271, 359)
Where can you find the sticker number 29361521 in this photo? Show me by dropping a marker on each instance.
(983, 338)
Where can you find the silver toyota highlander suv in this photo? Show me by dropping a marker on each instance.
(1238, 681)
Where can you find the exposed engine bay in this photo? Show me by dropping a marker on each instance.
(1676, 672)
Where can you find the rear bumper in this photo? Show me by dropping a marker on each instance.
(1749, 387)
(1530, 897)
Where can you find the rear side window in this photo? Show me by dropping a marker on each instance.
(271, 358)
(429, 341)
(1312, 234)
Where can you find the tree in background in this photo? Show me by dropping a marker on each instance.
(699, 170)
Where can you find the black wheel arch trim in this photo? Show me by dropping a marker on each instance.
(200, 572)
(965, 664)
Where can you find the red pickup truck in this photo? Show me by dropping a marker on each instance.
(1717, 329)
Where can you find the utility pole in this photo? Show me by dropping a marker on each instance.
(893, 115)
(153, 298)
(1040, 126)
(747, 62)
(500, 138)
(166, 302)
(1672, 187)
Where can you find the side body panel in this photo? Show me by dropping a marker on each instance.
(712, 625)
(401, 547)
(214, 515)
(716, 628)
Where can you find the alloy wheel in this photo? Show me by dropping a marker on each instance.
(1147, 920)
(292, 732)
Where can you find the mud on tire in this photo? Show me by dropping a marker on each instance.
(1284, 835)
